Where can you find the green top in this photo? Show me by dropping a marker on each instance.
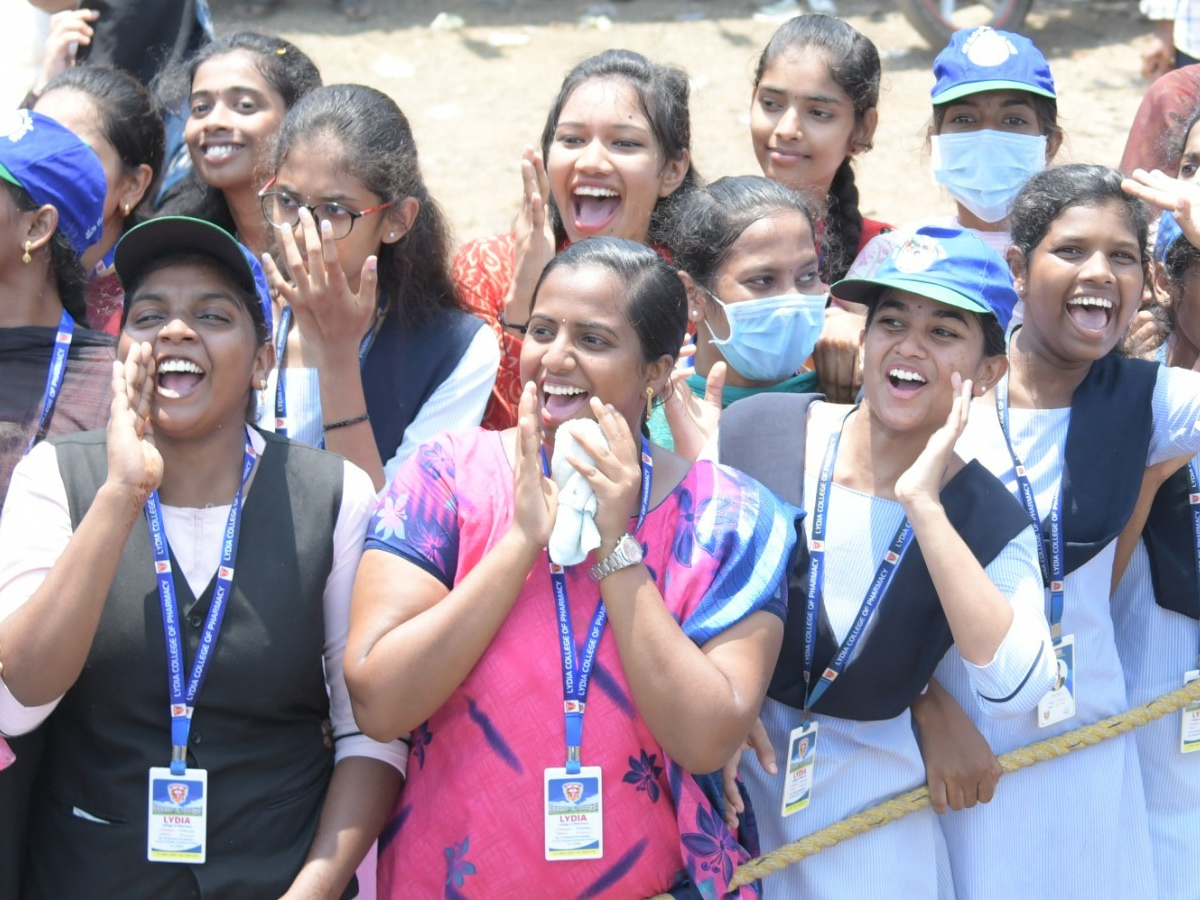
(660, 432)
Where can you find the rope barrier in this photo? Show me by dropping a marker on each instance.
(900, 806)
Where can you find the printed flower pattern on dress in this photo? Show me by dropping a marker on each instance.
(644, 774)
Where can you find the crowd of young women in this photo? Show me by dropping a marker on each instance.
(272, 600)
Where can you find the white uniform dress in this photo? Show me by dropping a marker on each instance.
(1074, 827)
(859, 764)
(1157, 646)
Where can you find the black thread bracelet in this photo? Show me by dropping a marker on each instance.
(330, 426)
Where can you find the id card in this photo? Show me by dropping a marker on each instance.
(574, 814)
(178, 810)
(801, 764)
(1189, 733)
(1059, 705)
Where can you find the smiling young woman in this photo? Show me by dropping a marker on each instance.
(249, 546)
(454, 633)
(615, 154)
(1078, 257)
(912, 549)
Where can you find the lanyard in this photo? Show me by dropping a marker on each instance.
(1194, 501)
(54, 378)
(281, 336)
(577, 668)
(1052, 567)
(183, 700)
(816, 579)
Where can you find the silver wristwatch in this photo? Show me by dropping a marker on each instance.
(628, 553)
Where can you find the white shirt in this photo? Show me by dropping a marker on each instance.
(1185, 14)
(36, 526)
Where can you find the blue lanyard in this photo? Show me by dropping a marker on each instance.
(54, 378)
(281, 336)
(1194, 501)
(816, 579)
(1053, 575)
(183, 701)
(577, 668)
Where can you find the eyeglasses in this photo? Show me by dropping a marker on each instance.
(282, 210)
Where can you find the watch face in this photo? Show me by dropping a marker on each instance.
(630, 549)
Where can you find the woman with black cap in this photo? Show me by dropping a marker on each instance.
(173, 602)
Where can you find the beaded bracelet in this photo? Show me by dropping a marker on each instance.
(330, 426)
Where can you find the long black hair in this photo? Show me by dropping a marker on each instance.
(662, 93)
(375, 146)
(854, 66)
(283, 65)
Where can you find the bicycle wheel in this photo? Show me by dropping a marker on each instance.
(936, 20)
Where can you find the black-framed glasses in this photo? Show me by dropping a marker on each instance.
(282, 210)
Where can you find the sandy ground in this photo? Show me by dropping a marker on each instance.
(477, 95)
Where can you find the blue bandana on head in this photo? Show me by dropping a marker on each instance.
(55, 167)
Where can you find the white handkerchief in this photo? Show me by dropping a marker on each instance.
(574, 534)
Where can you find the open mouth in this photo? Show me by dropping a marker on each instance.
(219, 153)
(178, 378)
(905, 381)
(1090, 313)
(561, 402)
(594, 208)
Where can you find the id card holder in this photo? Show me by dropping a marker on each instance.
(573, 810)
(801, 765)
(177, 813)
(1189, 732)
(1059, 704)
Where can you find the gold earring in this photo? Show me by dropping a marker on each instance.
(126, 208)
(649, 402)
(27, 259)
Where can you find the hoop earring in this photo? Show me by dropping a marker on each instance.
(27, 259)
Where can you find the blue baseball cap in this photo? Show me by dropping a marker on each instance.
(983, 59)
(171, 235)
(1168, 233)
(949, 265)
(54, 166)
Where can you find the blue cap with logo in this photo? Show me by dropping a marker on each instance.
(55, 167)
(170, 235)
(1168, 233)
(949, 265)
(983, 59)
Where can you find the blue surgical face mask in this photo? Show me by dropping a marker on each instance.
(985, 170)
(770, 338)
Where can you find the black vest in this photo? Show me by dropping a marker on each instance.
(765, 436)
(257, 727)
(1170, 540)
(407, 364)
(1108, 439)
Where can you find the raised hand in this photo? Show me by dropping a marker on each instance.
(616, 477)
(1180, 197)
(693, 420)
(923, 479)
(134, 463)
(69, 30)
(332, 316)
(835, 356)
(535, 497)
(534, 238)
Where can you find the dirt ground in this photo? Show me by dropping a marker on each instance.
(478, 94)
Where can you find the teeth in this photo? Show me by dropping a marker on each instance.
(589, 191)
(562, 390)
(905, 375)
(179, 365)
(219, 151)
(1091, 301)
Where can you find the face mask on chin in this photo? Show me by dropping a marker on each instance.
(771, 337)
(985, 170)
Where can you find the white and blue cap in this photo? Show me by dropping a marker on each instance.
(53, 166)
(1168, 233)
(171, 235)
(949, 265)
(983, 59)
